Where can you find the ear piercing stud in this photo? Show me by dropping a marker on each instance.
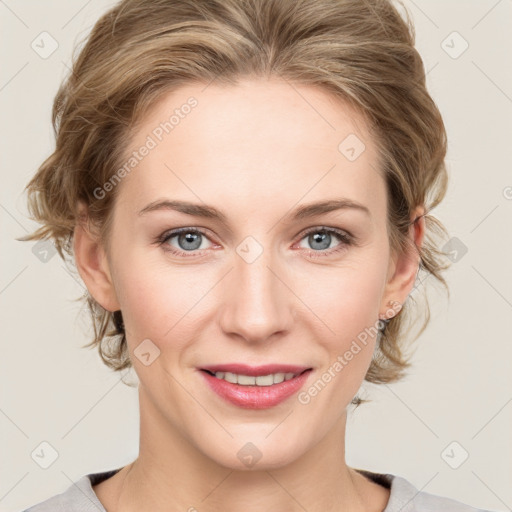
(394, 308)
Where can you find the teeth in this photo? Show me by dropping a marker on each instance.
(261, 380)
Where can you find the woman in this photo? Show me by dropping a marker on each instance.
(245, 189)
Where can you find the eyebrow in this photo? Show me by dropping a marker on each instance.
(302, 212)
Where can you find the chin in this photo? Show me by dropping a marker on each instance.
(257, 455)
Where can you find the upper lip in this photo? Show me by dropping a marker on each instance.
(266, 369)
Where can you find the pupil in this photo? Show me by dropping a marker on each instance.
(190, 238)
(322, 237)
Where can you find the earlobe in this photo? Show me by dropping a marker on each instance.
(93, 267)
(404, 267)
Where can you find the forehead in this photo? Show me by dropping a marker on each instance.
(253, 144)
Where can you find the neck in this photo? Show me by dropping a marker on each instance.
(172, 474)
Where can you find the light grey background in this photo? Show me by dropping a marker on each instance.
(460, 388)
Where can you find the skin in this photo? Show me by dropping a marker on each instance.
(255, 151)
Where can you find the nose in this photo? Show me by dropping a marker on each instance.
(257, 302)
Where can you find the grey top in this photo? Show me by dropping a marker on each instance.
(404, 497)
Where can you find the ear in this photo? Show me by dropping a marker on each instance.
(92, 264)
(403, 269)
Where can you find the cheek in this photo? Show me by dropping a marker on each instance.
(350, 309)
(351, 298)
(157, 299)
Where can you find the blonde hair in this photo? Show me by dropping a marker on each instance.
(361, 52)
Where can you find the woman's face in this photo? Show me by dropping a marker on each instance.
(261, 285)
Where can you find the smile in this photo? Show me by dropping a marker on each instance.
(251, 380)
(255, 391)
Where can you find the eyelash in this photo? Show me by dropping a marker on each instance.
(346, 240)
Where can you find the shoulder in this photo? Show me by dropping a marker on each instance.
(405, 497)
(78, 497)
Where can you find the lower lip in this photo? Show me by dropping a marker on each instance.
(256, 397)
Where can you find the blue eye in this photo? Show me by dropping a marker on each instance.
(190, 241)
(322, 238)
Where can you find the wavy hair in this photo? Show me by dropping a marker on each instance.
(361, 52)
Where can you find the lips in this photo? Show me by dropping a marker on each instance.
(256, 396)
(256, 371)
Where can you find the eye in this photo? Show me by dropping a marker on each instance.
(320, 239)
(188, 240)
